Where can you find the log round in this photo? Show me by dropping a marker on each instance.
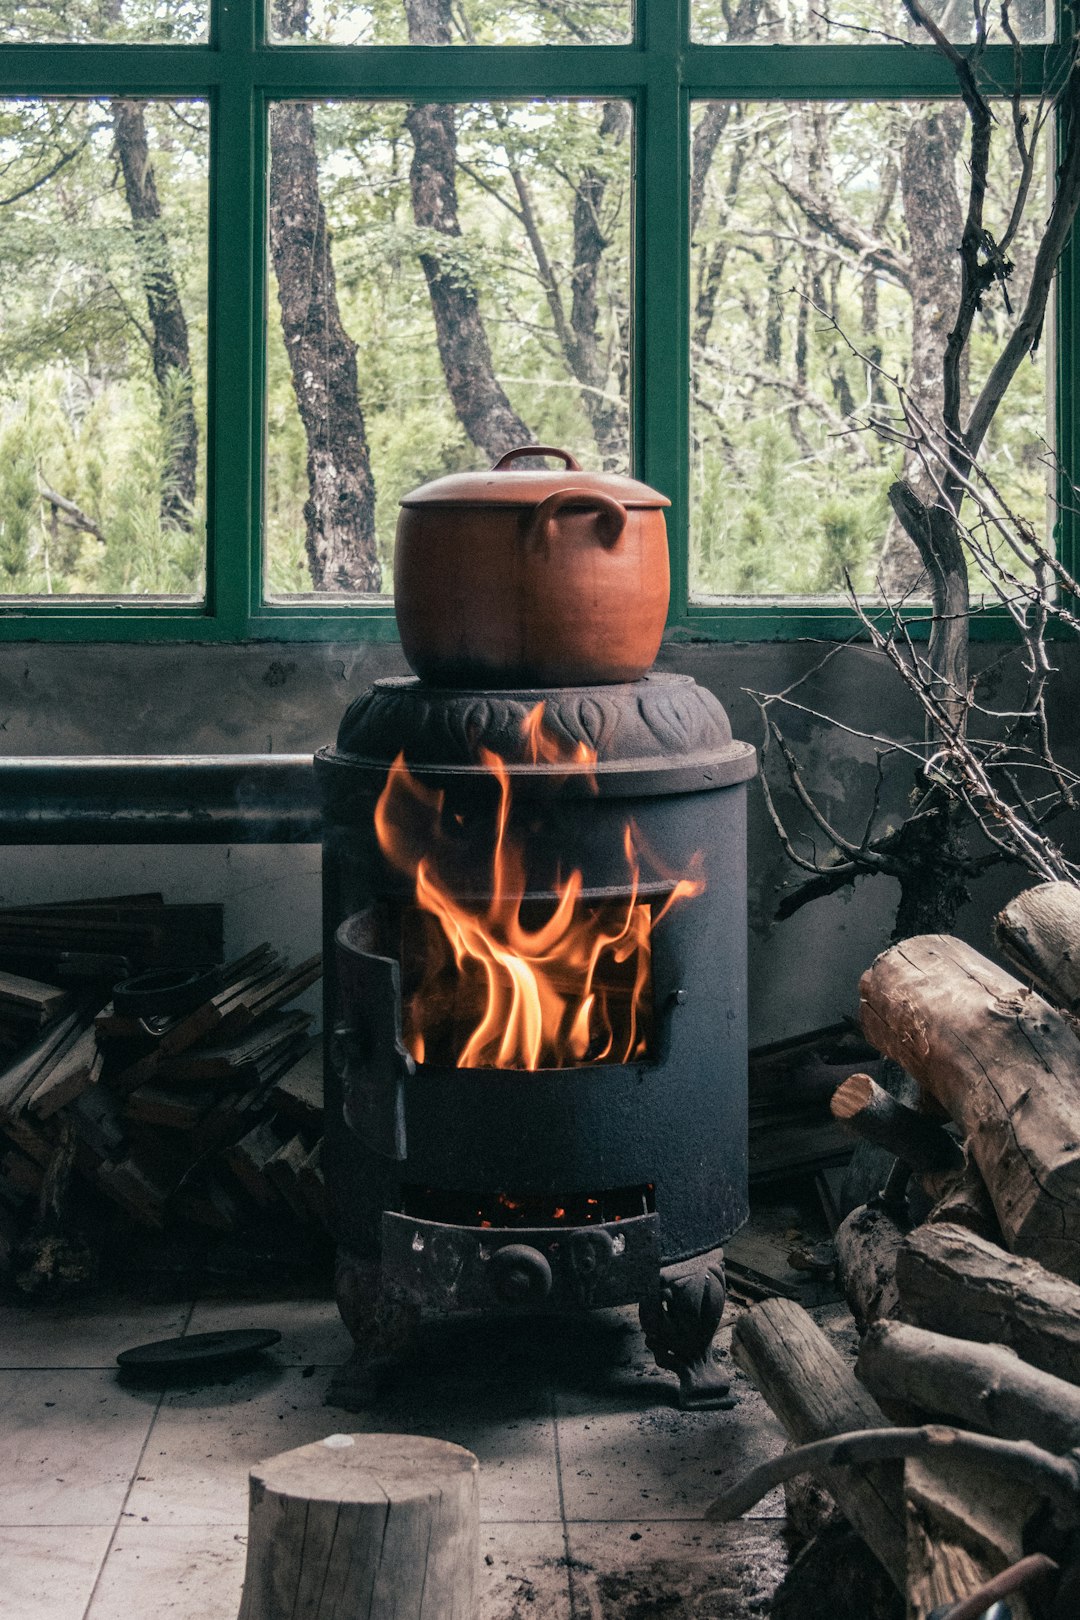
(363, 1527)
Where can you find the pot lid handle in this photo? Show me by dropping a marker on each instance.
(536, 450)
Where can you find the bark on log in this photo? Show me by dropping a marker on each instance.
(812, 1391)
(363, 1527)
(1006, 1066)
(867, 1110)
(986, 1387)
(867, 1244)
(1040, 932)
(950, 1281)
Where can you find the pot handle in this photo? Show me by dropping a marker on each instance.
(611, 516)
(537, 450)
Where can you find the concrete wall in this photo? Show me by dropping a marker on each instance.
(288, 698)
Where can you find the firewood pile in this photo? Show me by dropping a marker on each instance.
(959, 1462)
(146, 1085)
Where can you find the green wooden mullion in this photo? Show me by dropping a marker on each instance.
(662, 385)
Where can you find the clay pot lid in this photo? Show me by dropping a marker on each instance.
(506, 485)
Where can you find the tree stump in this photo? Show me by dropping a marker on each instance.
(363, 1527)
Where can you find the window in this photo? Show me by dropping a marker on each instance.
(265, 272)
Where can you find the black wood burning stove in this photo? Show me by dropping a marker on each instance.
(536, 1086)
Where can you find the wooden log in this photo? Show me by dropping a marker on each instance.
(965, 1202)
(867, 1243)
(1005, 1066)
(951, 1281)
(964, 1526)
(867, 1110)
(810, 1387)
(1040, 932)
(364, 1527)
(984, 1386)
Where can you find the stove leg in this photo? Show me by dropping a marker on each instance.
(680, 1319)
(383, 1325)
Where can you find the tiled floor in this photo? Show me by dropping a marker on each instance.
(118, 1503)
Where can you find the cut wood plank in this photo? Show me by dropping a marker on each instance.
(248, 1158)
(30, 1000)
(813, 1392)
(313, 1186)
(174, 1110)
(364, 1527)
(24, 1075)
(282, 1171)
(984, 1386)
(223, 1060)
(1040, 932)
(298, 1094)
(1005, 1065)
(951, 1281)
(75, 1072)
(141, 1192)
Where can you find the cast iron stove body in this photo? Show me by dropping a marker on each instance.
(601, 1183)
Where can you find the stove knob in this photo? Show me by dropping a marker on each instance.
(520, 1275)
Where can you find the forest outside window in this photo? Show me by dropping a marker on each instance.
(267, 271)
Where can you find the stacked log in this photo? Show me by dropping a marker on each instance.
(963, 1273)
(208, 1121)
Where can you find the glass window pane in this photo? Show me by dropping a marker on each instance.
(853, 22)
(447, 283)
(452, 22)
(102, 22)
(103, 238)
(825, 240)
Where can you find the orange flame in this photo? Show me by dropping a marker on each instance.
(569, 990)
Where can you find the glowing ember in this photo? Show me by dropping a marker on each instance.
(518, 990)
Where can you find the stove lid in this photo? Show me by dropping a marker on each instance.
(663, 734)
(507, 485)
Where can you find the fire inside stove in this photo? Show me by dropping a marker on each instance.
(513, 981)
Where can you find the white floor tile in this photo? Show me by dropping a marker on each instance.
(182, 1572)
(312, 1332)
(48, 1574)
(523, 1572)
(644, 1459)
(83, 1333)
(69, 1443)
(685, 1572)
(204, 1441)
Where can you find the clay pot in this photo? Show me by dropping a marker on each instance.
(524, 577)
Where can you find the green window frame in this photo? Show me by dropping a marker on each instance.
(661, 72)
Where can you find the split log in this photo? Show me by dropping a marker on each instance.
(951, 1281)
(1005, 1066)
(867, 1110)
(366, 1525)
(867, 1243)
(964, 1526)
(810, 1387)
(1040, 932)
(984, 1386)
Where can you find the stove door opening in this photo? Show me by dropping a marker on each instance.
(559, 982)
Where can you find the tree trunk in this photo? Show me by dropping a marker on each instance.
(169, 348)
(607, 416)
(339, 513)
(935, 224)
(478, 397)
